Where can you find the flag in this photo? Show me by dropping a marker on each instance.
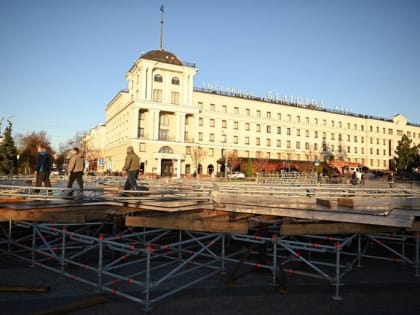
(162, 9)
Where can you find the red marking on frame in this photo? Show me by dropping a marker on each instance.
(417, 235)
(130, 280)
(258, 265)
(297, 255)
(124, 257)
(133, 248)
(101, 237)
(338, 245)
(86, 266)
(73, 277)
(72, 234)
(167, 247)
(56, 248)
(315, 245)
(56, 239)
(64, 228)
(291, 271)
(257, 237)
(329, 238)
(148, 248)
(114, 291)
(378, 242)
(119, 237)
(115, 281)
(54, 229)
(211, 243)
(275, 237)
(398, 260)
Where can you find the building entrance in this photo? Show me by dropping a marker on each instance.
(167, 168)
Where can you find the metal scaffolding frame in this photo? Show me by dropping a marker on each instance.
(149, 265)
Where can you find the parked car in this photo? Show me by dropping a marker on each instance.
(236, 175)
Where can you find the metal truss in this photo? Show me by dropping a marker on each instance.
(149, 265)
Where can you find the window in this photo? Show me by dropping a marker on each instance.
(224, 123)
(390, 131)
(362, 128)
(200, 105)
(175, 81)
(362, 139)
(212, 107)
(298, 145)
(316, 121)
(332, 123)
(258, 113)
(355, 126)
(236, 110)
(224, 108)
(164, 134)
(278, 116)
(268, 129)
(248, 112)
(141, 132)
(289, 132)
(339, 137)
(279, 130)
(188, 150)
(211, 122)
(211, 152)
(157, 95)
(348, 126)
(288, 144)
(298, 132)
(355, 138)
(307, 133)
(332, 136)
(211, 137)
(164, 120)
(247, 127)
(200, 136)
(306, 145)
(235, 139)
(324, 122)
(362, 150)
(348, 149)
(246, 140)
(269, 115)
(348, 137)
(355, 149)
(142, 147)
(298, 119)
(175, 98)
(200, 121)
(257, 141)
(158, 78)
(307, 120)
(279, 143)
(258, 127)
(371, 128)
(268, 142)
(289, 117)
(371, 151)
(315, 134)
(340, 124)
(235, 125)
(268, 156)
(316, 146)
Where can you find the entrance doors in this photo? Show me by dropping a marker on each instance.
(167, 168)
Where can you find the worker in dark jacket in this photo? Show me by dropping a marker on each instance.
(43, 168)
(131, 169)
(75, 170)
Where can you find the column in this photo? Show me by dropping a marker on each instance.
(155, 119)
(159, 166)
(180, 127)
(178, 172)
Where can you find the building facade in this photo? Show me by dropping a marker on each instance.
(177, 129)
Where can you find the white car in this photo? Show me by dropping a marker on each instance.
(236, 175)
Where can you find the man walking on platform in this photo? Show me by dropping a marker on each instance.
(75, 170)
(131, 168)
(43, 168)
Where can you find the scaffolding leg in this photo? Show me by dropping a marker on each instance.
(100, 265)
(33, 245)
(274, 271)
(147, 284)
(417, 253)
(222, 256)
(9, 238)
(180, 246)
(359, 250)
(337, 282)
(63, 251)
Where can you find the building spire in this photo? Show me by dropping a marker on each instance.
(162, 10)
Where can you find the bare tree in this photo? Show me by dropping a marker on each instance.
(197, 154)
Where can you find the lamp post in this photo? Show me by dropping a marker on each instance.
(224, 141)
(17, 164)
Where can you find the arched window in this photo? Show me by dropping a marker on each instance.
(158, 78)
(166, 149)
(210, 169)
(175, 80)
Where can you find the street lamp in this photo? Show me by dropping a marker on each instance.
(224, 140)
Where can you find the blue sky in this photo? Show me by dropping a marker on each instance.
(61, 62)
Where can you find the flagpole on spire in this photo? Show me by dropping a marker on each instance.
(162, 10)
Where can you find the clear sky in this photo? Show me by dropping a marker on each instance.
(61, 62)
